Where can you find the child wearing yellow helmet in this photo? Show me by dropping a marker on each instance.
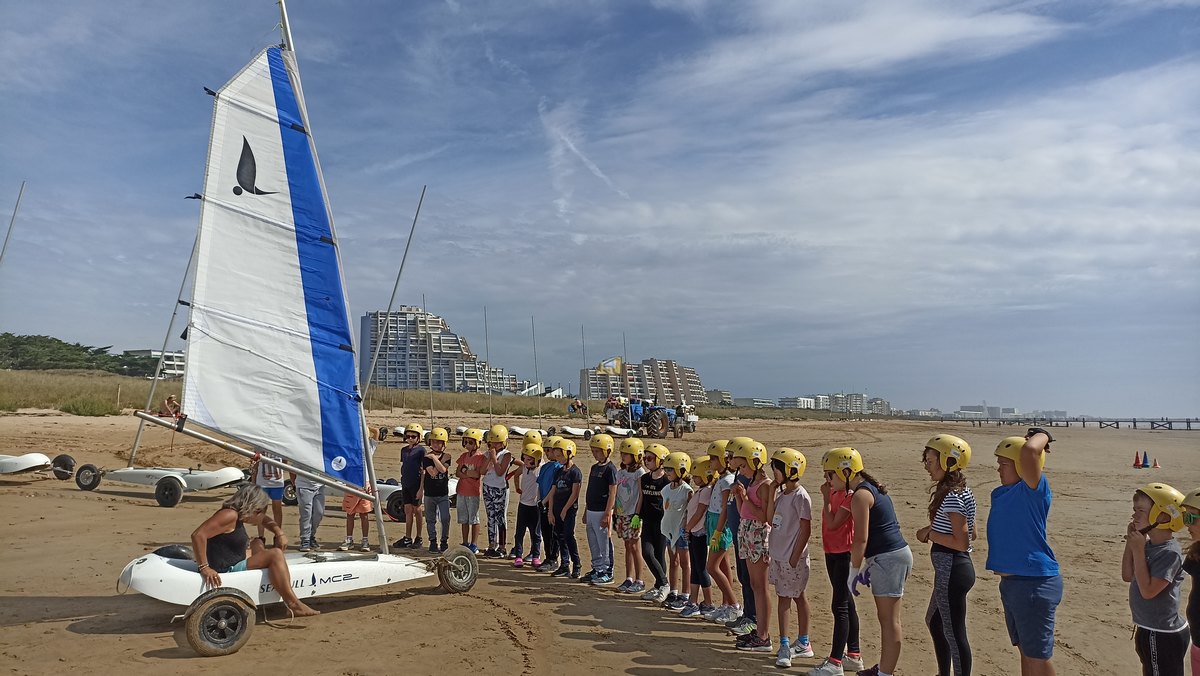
(700, 477)
(650, 516)
(1191, 566)
(788, 571)
(744, 623)
(547, 473)
(412, 478)
(1019, 551)
(529, 516)
(754, 506)
(950, 532)
(719, 537)
(837, 539)
(1153, 566)
(436, 504)
(564, 509)
(495, 491)
(600, 501)
(471, 466)
(880, 558)
(629, 477)
(676, 495)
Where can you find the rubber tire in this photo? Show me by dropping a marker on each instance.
(550, 431)
(168, 491)
(87, 477)
(289, 493)
(395, 505)
(587, 435)
(208, 638)
(458, 582)
(677, 432)
(64, 467)
(656, 424)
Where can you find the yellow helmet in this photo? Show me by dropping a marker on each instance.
(732, 445)
(716, 449)
(602, 442)
(633, 446)
(702, 470)
(533, 451)
(845, 461)
(753, 452)
(497, 435)
(794, 462)
(532, 437)
(1167, 500)
(679, 461)
(1192, 499)
(953, 452)
(473, 433)
(548, 442)
(1010, 447)
(414, 427)
(659, 452)
(439, 434)
(566, 446)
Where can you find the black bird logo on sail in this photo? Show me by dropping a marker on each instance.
(246, 172)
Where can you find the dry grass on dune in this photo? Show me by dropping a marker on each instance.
(78, 392)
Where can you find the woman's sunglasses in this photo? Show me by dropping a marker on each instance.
(1190, 518)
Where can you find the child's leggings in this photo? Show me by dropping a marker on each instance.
(549, 534)
(495, 503)
(1162, 653)
(437, 508)
(654, 547)
(845, 615)
(953, 577)
(529, 519)
(568, 547)
(311, 502)
(599, 542)
(698, 555)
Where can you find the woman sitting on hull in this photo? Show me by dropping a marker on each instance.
(222, 546)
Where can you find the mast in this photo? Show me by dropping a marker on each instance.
(428, 359)
(12, 221)
(487, 352)
(533, 332)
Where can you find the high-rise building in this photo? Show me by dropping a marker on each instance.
(664, 380)
(856, 403)
(879, 406)
(838, 403)
(719, 397)
(821, 402)
(417, 348)
(172, 362)
(797, 402)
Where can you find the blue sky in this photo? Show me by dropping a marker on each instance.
(935, 202)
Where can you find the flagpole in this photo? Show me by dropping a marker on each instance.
(487, 354)
(428, 359)
(533, 332)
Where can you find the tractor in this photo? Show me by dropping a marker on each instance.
(644, 417)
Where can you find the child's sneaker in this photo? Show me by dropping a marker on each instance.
(416, 544)
(827, 668)
(492, 553)
(587, 577)
(473, 547)
(670, 598)
(678, 604)
(536, 563)
(366, 546)
(873, 671)
(756, 644)
(574, 573)
(802, 649)
(403, 543)
(690, 610)
(602, 578)
(661, 594)
(706, 609)
(514, 553)
(785, 654)
(304, 546)
(548, 566)
(444, 546)
(346, 544)
(744, 626)
(853, 663)
(562, 571)
(433, 548)
(518, 562)
(636, 588)
(624, 586)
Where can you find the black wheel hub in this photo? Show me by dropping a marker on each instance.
(223, 623)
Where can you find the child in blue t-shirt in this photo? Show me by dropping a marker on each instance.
(1153, 566)
(545, 480)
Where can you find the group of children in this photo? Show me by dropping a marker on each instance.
(679, 518)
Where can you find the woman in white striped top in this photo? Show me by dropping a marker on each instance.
(950, 531)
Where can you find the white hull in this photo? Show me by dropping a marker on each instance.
(20, 464)
(193, 479)
(176, 581)
(568, 431)
(620, 431)
(521, 431)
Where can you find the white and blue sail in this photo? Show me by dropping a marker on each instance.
(270, 353)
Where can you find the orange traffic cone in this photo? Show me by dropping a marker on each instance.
(1156, 465)
(1137, 462)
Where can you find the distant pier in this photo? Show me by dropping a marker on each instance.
(1102, 423)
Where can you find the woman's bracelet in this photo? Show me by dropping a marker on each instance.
(203, 566)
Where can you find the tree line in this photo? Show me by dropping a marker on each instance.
(44, 353)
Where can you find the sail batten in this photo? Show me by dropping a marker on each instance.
(267, 362)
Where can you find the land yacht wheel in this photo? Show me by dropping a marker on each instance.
(87, 477)
(219, 625)
(458, 570)
(64, 467)
(168, 491)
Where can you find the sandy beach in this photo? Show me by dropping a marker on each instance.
(63, 549)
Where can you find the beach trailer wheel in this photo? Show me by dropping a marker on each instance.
(289, 493)
(168, 491)
(218, 623)
(87, 477)
(587, 434)
(395, 506)
(64, 467)
(458, 570)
